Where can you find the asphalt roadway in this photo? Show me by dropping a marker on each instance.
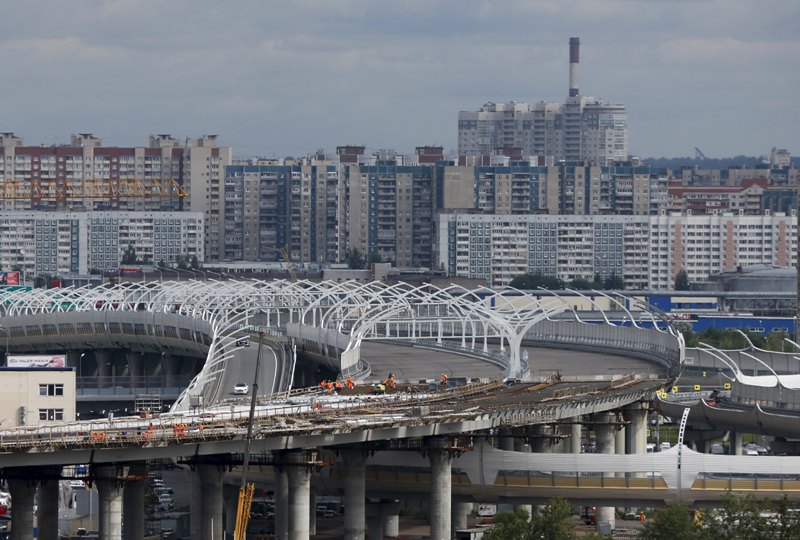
(414, 363)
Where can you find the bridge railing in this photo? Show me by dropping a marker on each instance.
(172, 428)
(652, 345)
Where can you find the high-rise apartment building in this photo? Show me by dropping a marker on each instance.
(647, 252)
(85, 175)
(390, 207)
(290, 205)
(79, 242)
(583, 128)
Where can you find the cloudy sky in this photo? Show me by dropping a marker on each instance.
(286, 77)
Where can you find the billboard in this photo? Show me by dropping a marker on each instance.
(9, 278)
(36, 360)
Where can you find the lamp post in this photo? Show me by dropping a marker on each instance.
(80, 368)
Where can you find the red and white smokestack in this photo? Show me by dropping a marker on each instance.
(574, 58)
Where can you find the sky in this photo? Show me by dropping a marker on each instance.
(277, 78)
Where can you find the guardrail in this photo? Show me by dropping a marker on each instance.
(647, 344)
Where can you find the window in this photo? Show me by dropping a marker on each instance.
(51, 389)
(51, 414)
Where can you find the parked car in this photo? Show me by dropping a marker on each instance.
(240, 389)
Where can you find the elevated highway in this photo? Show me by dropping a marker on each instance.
(566, 369)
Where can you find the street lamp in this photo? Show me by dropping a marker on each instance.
(80, 368)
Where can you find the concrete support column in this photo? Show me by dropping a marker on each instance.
(637, 428)
(281, 503)
(505, 440)
(620, 445)
(521, 444)
(390, 515)
(22, 492)
(299, 476)
(355, 464)
(109, 487)
(312, 513)
(207, 479)
(133, 503)
(441, 488)
(230, 505)
(47, 509)
(461, 512)
(735, 443)
(605, 433)
(575, 437)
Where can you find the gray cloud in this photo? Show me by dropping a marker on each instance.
(284, 78)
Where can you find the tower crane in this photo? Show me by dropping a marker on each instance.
(287, 261)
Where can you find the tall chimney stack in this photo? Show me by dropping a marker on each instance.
(574, 58)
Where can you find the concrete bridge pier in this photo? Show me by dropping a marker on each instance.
(230, 496)
(47, 509)
(605, 433)
(521, 444)
(735, 443)
(207, 501)
(636, 432)
(22, 493)
(355, 464)
(461, 512)
(133, 502)
(281, 503)
(110, 482)
(575, 436)
(441, 458)
(390, 516)
(298, 464)
(619, 445)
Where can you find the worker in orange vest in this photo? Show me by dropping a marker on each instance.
(322, 384)
(339, 385)
(443, 379)
(329, 387)
(349, 383)
(392, 384)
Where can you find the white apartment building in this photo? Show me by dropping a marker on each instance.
(52, 243)
(646, 251)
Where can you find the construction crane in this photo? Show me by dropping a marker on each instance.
(247, 488)
(288, 261)
(83, 188)
(698, 154)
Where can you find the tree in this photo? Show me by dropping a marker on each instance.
(375, 257)
(509, 526)
(181, 264)
(355, 260)
(580, 284)
(682, 281)
(741, 517)
(194, 263)
(613, 282)
(536, 280)
(129, 255)
(671, 523)
(553, 522)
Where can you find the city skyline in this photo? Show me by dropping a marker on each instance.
(274, 80)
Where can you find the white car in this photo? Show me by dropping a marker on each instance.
(241, 389)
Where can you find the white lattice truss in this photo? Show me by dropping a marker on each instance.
(357, 311)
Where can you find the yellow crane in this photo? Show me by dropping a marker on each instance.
(247, 488)
(287, 261)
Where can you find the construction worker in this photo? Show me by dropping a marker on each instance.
(641, 517)
(349, 383)
(392, 384)
(339, 385)
(329, 387)
(322, 385)
(443, 379)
